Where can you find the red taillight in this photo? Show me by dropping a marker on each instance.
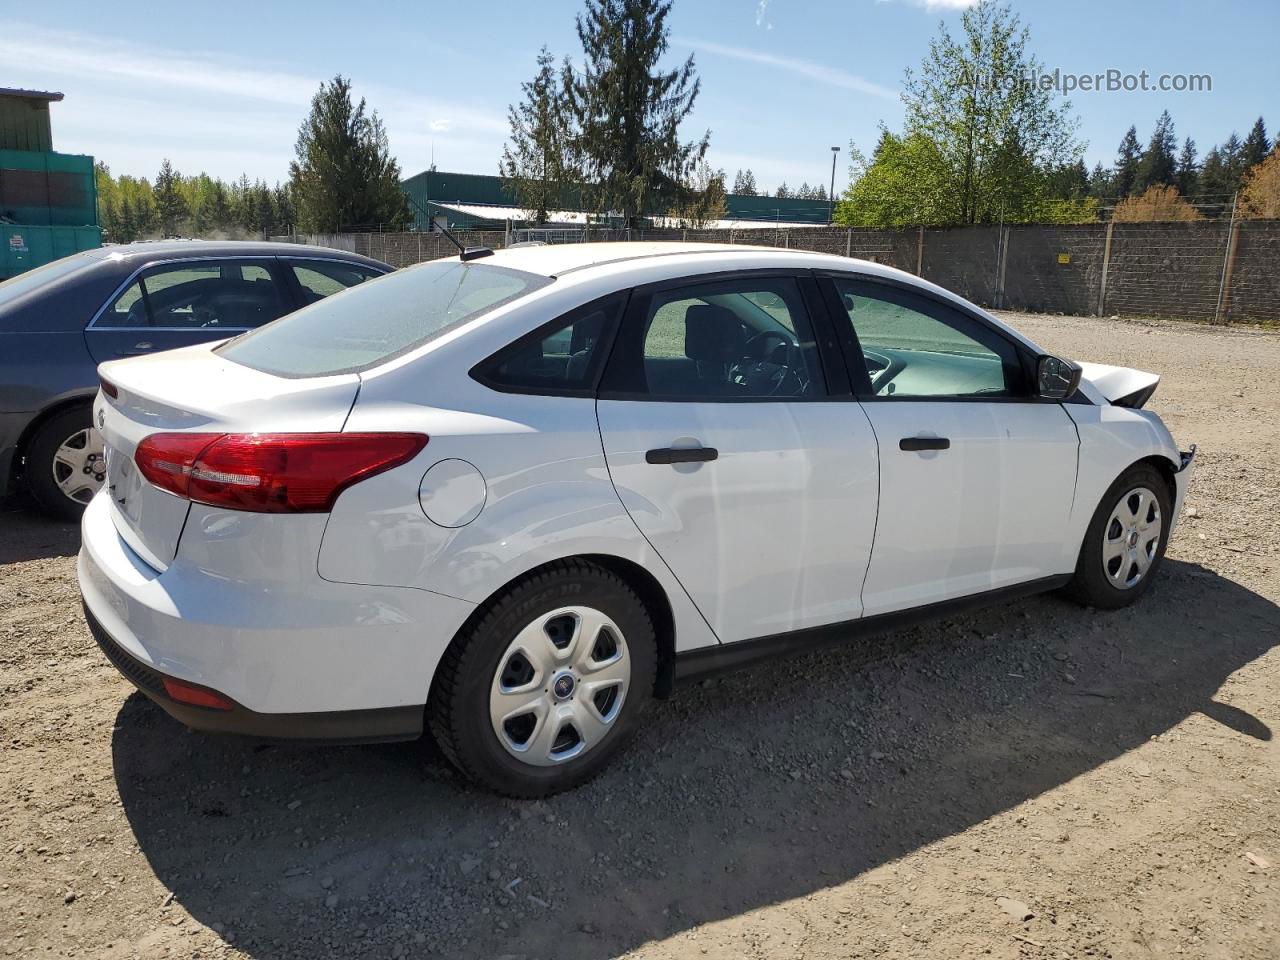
(109, 388)
(270, 472)
(196, 696)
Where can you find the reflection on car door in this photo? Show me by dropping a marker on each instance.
(976, 474)
(180, 303)
(756, 487)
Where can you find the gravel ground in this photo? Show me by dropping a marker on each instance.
(1035, 780)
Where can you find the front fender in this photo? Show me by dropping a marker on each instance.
(1112, 439)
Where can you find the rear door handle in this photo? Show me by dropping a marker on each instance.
(924, 443)
(681, 455)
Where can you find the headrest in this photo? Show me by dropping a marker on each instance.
(713, 334)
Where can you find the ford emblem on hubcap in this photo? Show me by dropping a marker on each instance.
(563, 686)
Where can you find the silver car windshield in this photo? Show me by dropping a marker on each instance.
(380, 319)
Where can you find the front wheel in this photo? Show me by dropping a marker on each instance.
(548, 683)
(1125, 542)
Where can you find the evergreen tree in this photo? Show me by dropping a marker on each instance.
(1128, 159)
(219, 207)
(1069, 182)
(127, 225)
(283, 202)
(782, 192)
(344, 176)
(265, 215)
(1159, 164)
(1188, 176)
(1100, 182)
(1256, 146)
(804, 191)
(535, 164)
(744, 183)
(171, 207)
(628, 112)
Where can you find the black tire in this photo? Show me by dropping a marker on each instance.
(1090, 585)
(38, 468)
(458, 707)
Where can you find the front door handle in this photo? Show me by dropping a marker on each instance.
(681, 455)
(145, 346)
(924, 443)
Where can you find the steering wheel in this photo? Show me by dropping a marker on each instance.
(765, 376)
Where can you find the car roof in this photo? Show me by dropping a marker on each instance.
(554, 260)
(146, 251)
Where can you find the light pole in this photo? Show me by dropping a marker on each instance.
(831, 196)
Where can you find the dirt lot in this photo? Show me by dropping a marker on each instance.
(1116, 775)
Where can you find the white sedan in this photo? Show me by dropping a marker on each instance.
(512, 497)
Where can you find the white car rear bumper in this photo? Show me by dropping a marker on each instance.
(299, 656)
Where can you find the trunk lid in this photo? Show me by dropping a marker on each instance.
(194, 390)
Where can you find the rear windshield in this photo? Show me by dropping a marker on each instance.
(17, 287)
(380, 319)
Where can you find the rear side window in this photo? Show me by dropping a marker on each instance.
(376, 321)
(216, 294)
(562, 357)
(321, 278)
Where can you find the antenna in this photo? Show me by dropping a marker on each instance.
(464, 253)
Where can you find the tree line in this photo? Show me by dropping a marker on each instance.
(980, 145)
(134, 208)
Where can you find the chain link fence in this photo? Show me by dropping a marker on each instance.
(1210, 270)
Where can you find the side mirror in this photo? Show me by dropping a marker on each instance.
(1056, 379)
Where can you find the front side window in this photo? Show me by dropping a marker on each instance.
(747, 339)
(562, 357)
(375, 322)
(914, 347)
(218, 294)
(321, 278)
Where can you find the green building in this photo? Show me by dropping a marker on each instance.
(48, 200)
(477, 201)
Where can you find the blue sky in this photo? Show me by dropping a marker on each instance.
(223, 87)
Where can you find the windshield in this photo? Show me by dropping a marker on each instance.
(16, 288)
(380, 319)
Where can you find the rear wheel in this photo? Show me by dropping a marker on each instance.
(548, 683)
(65, 465)
(1125, 542)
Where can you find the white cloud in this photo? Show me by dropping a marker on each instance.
(830, 76)
(762, 15)
(132, 104)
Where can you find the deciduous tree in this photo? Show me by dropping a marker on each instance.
(536, 165)
(994, 131)
(1260, 195)
(1159, 202)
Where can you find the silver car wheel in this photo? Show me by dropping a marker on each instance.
(79, 465)
(1131, 538)
(560, 686)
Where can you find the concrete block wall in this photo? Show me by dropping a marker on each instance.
(1202, 270)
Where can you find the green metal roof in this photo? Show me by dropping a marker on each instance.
(431, 187)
